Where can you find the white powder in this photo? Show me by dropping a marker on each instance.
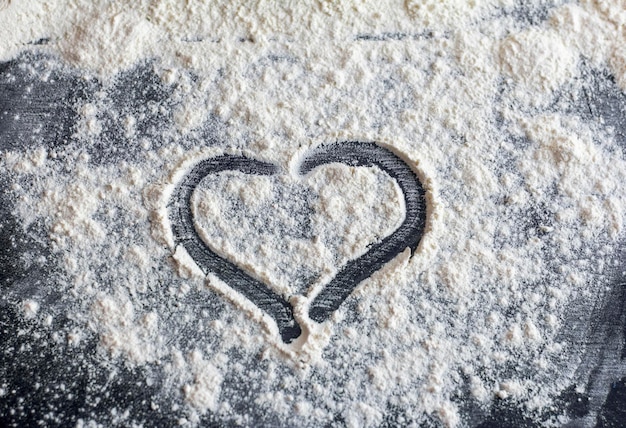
(204, 391)
(30, 308)
(525, 199)
(538, 59)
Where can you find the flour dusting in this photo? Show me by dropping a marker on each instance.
(487, 101)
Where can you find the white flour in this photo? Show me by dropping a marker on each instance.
(526, 199)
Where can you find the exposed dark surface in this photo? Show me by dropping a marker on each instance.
(49, 383)
(31, 109)
(613, 413)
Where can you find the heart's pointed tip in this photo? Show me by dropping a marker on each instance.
(289, 334)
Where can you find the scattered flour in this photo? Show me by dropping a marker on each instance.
(30, 308)
(525, 198)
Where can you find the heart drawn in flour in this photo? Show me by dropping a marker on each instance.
(349, 276)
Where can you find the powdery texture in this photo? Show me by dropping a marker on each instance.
(526, 200)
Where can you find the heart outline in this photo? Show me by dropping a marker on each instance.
(349, 276)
